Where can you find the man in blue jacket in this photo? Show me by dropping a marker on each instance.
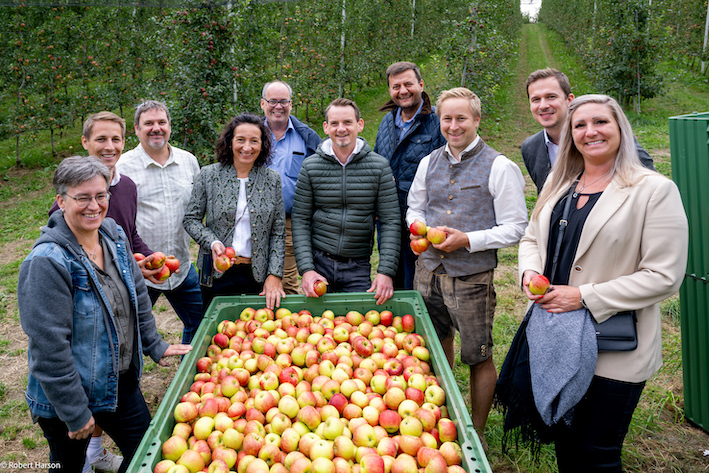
(407, 133)
(292, 142)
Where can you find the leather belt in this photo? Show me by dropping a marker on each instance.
(242, 260)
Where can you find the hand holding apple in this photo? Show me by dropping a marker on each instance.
(452, 239)
(310, 278)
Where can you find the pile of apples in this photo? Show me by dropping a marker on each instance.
(166, 264)
(426, 234)
(289, 392)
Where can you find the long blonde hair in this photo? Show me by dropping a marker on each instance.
(568, 166)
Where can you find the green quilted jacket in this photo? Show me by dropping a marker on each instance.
(335, 207)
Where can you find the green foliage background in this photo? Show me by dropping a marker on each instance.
(209, 60)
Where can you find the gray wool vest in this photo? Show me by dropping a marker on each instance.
(459, 197)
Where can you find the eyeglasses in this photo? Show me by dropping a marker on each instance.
(283, 103)
(83, 201)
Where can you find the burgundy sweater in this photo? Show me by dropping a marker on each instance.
(122, 208)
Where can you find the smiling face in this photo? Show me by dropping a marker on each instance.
(458, 125)
(246, 145)
(343, 127)
(406, 90)
(106, 142)
(154, 129)
(277, 117)
(549, 105)
(88, 219)
(595, 132)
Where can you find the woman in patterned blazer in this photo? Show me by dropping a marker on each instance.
(238, 202)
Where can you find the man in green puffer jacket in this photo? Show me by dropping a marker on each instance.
(341, 190)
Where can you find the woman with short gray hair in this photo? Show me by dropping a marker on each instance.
(85, 308)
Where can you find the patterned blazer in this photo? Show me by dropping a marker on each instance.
(211, 215)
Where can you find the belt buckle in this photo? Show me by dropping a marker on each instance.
(240, 260)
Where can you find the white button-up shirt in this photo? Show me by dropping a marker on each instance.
(163, 195)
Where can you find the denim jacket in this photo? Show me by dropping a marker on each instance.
(73, 341)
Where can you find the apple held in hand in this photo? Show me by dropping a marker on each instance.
(418, 228)
(436, 235)
(420, 245)
(539, 285)
(222, 263)
(230, 252)
(138, 256)
(172, 263)
(157, 261)
(163, 274)
(320, 287)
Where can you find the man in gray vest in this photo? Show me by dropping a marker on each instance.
(476, 197)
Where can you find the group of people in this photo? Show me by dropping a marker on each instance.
(289, 203)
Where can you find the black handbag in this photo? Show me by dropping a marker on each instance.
(617, 333)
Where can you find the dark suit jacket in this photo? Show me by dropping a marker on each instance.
(536, 158)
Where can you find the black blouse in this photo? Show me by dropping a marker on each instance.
(572, 235)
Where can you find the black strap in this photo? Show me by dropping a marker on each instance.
(563, 223)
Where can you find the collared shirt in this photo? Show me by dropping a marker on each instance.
(506, 186)
(242, 228)
(552, 148)
(163, 195)
(327, 149)
(403, 126)
(288, 155)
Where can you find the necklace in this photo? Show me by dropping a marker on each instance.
(93, 255)
(576, 193)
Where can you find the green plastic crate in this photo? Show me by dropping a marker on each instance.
(403, 302)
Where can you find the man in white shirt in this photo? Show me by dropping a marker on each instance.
(164, 175)
(476, 196)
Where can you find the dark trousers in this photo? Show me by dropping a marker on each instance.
(406, 270)
(343, 274)
(235, 281)
(187, 302)
(126, 427)
(594, 441)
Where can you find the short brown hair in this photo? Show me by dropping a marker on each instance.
(460, 93)
(560, 77)
(343, 102)
(403, 66)
(105, 116)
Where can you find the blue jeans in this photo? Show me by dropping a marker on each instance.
(187, 302)
(126, 426)
(343, 274)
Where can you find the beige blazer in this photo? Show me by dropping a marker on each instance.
(632, 254)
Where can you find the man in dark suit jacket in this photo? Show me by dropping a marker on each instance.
(549, 94)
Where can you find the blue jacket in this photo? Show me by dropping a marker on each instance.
(422, 138)
(289, 176)
(73, 348)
